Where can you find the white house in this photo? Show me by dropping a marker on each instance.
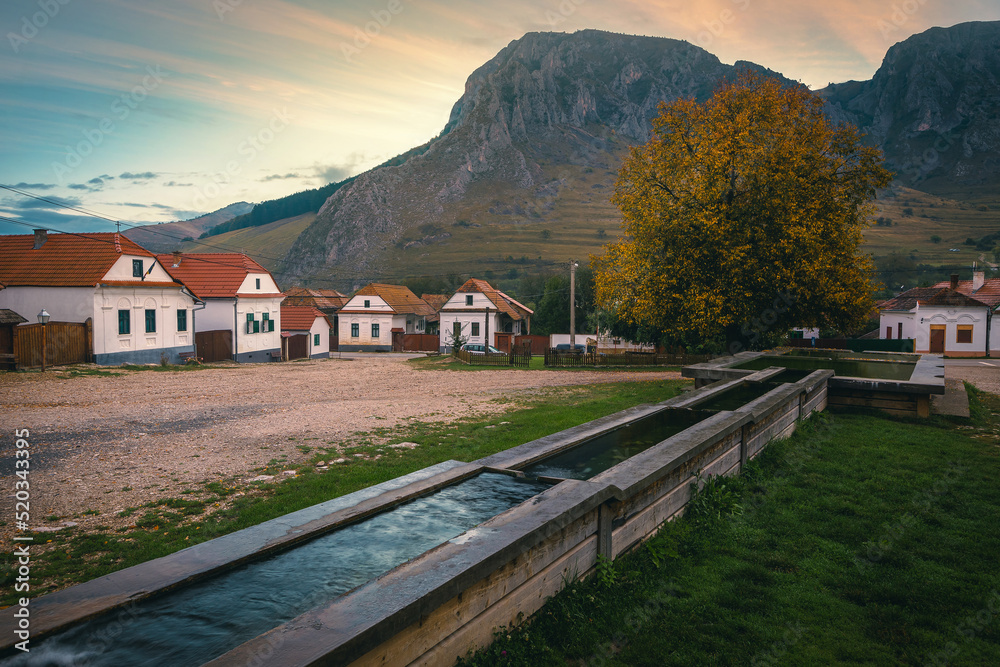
(483, 314)
(986, 290)
(242, 304)
(305, 331)
(377, 316)
(139, 313)
(940, 320)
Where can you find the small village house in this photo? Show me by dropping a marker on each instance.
(436, 302)
(482, 314)
(949, 318)
(305, 333)
(377, 317)
(327, 301)
(241, 316)
(138, 313)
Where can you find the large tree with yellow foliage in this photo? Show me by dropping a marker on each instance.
(742, 216)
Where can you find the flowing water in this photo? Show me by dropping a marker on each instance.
(598, 454)
(199, 622)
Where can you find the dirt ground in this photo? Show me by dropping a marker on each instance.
(157, 433)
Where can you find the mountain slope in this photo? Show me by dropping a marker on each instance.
(157, 238)
(522, 172)
(546, 109)
(934, 107)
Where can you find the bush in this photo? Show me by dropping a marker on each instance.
(935, 239)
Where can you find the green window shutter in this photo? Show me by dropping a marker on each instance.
(249, 317)
(182, 320)
(315, 339)
(124, 322)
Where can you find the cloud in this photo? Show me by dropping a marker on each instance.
(160, 206)
(334, 173)
(95, 181)
(33, 186)
(175, 184)
(79, 186)
(280, 177)
(36, 204)
(141, 176)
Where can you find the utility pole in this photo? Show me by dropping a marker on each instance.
(572, 305)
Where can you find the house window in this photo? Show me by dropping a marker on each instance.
(355, 330)
(150, 321)
(137, 268)
(268, 323)
(258, 283)
(315, 339)
(253, 326)
(124, 322)
(475, 328)
(964, 333)
(182, 319)
(368, 303)
(375, 333)
(468, 299)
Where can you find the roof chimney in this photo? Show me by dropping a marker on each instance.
(978, 277)
(954, 281)
(41, 236)
(177, 257)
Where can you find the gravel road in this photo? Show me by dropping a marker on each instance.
(156, 433)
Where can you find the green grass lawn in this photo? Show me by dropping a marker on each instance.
(861, 540)
(536, 363)
(167, 525)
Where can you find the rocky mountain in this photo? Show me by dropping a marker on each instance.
(168, 236)
(536, 139)
(934, 108)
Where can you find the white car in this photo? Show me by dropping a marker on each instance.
(475, 348)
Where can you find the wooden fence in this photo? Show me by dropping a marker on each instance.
(570, 359)
(63, 343)
(538, 344)
(421, 343)
(519, 357)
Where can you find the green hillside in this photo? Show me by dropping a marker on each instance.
(268, 244)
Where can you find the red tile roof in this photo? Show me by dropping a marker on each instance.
(988, 293)
(320, 298)
(64, 260)
(398, 297)
(213, 275)
(503, 302)
(930, 296)
(300, 318)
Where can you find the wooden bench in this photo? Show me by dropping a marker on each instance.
(275, 355)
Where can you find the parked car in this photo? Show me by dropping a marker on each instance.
(476, 348)
(565, 347)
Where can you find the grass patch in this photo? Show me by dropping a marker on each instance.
(167, 525)
(860, 540)
(537, 363)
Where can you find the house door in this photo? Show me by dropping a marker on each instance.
(397, 340)
(214, 345)
(298, 346)
(937, 339)
(503, 341)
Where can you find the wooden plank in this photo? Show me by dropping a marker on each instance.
(646, 522)
(513, 609)
(874, 403)
(417, 639)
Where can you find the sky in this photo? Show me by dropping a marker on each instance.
(149, 111)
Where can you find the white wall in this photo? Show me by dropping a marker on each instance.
(249, 284)
(320, 327)
(951, 318)
(995, 335)
(122, 269)
(271, 340)
(364, 321)
(892, 319)
(107, 301)
(375, 303)
(63, 304)
(563, 339)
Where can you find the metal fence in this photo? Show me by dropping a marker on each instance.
(556, 358)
